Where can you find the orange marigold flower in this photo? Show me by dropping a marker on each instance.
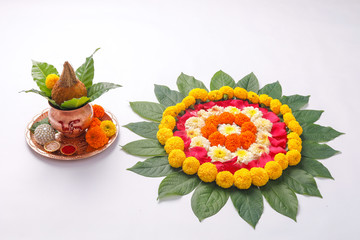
(95, 122)
(241, 118)
(96, 137)
(213, 120)
(216, 139)
(249, 126)
(208, 129)
(98, 111)
(233, 142)
(226, 118)
(247, 138)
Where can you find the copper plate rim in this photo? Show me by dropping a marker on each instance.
(64, 157)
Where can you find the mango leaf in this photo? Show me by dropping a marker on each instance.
(85, 73)
(301, 182)
(34, 126)
(295, 102)
(167, 97)
(39, 72)
(148, 110)
(208, 199)
(75, 103)
(317, 133)
(41, 93)
(314, 167)
(153, 167)
(145, 147)
(249, 204)
(186, 83)
(274, 90)
(99, 89)
(221, 79)
(317, 151)
(249, 82)
(144, 129)
(307, 116)
(177, 184)
(281, 198)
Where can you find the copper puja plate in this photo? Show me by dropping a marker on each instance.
(83, 149)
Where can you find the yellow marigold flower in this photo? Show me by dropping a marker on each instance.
(174, 143)
(207, 172)
(190, 165)
(171, 111)
(285, 109)
(253, 97)
(225, 179)
(108, 127)
(180, 107)
(295, 127)
(176, 158)
(294, 144)
(288, 117)
(293, 157)
(229, 91)
(259, 176)
(275, 105)
(215, 95)
(199, 93)
(240, 93)
(167, 122)
(188, 101)
(242, 179)
(273, 169)
(281, 159)
(50, 81)
(294, 135)
(163, 135)
(265, 99)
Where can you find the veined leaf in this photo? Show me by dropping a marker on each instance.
(75, 103)
(167, 97)
(274, 90)
(145, 147)
(317, 151)
(249, 82)
(178, 184)
(314, 167)
(249, 204)
(148, 110)
(221, 79)
(85, 72)
(307, 116)
(39, 72)
(34, 126)
(144, 129)
(295, 102)
(186, 83)
(41, 93)
(99, 89)
(153, 167)
(208, 199)
(301, 182)
(317, 133)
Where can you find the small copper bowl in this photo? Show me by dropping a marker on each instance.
(71, 123)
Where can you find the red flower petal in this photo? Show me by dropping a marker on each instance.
(278, 142)
(199, 153)
(278, 130)
(183, 135)
(276, 150)
(271, 117)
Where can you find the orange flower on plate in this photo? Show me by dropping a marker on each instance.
(247, 138)
(98, 110)
(241, 118)
(95, 122)
(233, 142)
(248, 126)
(216, 139)
(226, 118)
(208, 129)
(96, 137)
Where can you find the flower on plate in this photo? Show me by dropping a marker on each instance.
(275, 105)
(95, 122)
(208, 129)
(295, 127)
(225, 179)
(98, 110)
(176, 158)
(229, 91)
(288, 117)
(227, 129)
(243, 156)
(293, 157)
(215, 95)
(216, 110)
(194, 122)
(96, 137)
(242, 179)
(233, 142)
(200, 142)
(241, 118)
(171, 111)
(217, 138)
(247, 138)
(207, 172)
(190, 165)
(219, 153)
(191, 133)
(263, 124)
(240, 93)
(249, 126)
(232, 110)
(252, 113)
(294, 144)
(265, 99)
(281, 159)
(174, 143)
(167, 122)
(285, 109)
(253, 97)
(273, 169)
(199, 93)
(259, 176)
(163, 135)
(188, 101)
(108, 127)
(258, 149)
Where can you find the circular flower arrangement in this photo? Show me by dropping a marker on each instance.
(233, 141)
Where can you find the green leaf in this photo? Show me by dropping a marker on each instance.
(144, 129)
(274, 90)
(295, 102)
(153, 167)
(177, 184)
(85, 72)
(307, 116)
(75, 103)
(39, 72)
(317, 151)
(145, 147)
(148, 110)
(317, 133)
(99, 89)
(208, 199)
(249, 82)
(41, 93)
(44, 121)
(186, 83)
(314, 167)
(249, 204)
(167, 97)
(301, 182)
(221, 79)
(281, 198)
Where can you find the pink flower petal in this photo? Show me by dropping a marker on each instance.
(271, 117)
(264, 159)
(183, 135)
(276, 150)
(280, 142)
(278, 130)
(199, 153)
(231, 165)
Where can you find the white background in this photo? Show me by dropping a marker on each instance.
(311, 47)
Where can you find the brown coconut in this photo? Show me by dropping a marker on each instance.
(68, 86)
